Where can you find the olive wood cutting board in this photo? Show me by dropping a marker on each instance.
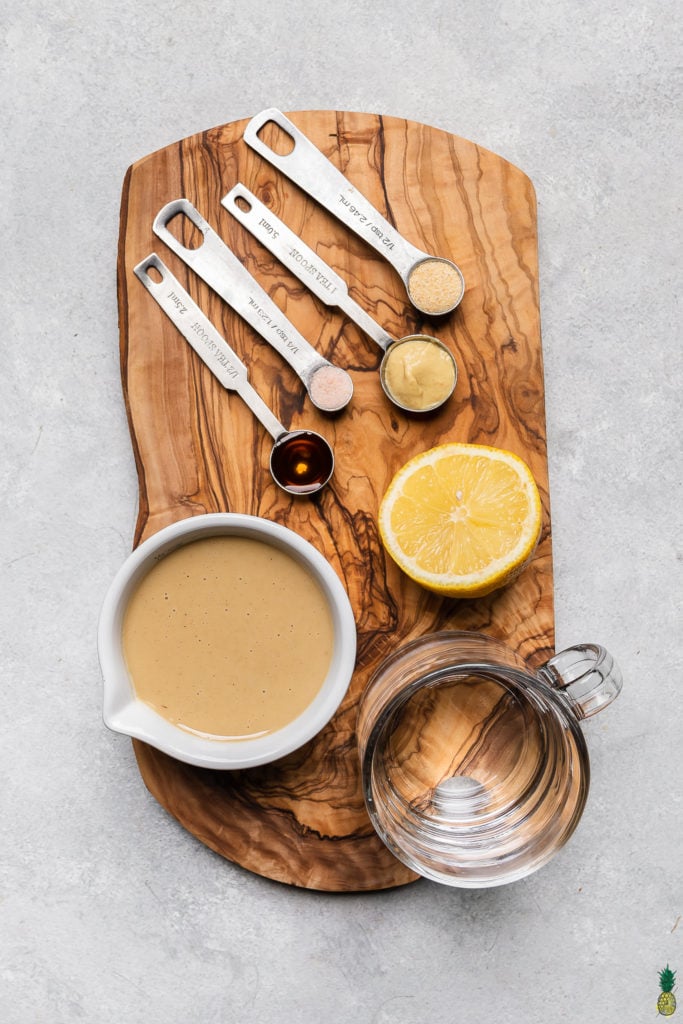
(199, 449)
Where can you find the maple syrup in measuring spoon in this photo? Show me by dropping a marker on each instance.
(301, 462)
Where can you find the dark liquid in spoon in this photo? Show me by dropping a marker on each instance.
(301, 462)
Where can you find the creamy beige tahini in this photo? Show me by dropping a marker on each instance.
(228, 636)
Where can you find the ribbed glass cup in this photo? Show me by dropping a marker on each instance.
(475, 770)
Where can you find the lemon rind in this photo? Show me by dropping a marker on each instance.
(497, 573)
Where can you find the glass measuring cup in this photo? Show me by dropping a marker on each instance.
(418, 373)
(475, 769)
(435, 285)
(301, 461)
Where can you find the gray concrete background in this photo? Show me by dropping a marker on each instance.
(110, 911)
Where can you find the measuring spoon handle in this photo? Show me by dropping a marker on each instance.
(299, 258)
(216, 264)
(308, 168)
(206, 341)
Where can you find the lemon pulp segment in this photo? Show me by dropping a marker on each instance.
(461, 519)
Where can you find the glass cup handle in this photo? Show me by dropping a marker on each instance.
(588, 676)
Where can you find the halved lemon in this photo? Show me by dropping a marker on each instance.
(462, 519)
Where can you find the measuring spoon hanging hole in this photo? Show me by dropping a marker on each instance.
(276, 138)
(185, 231)
(242, 204)
(153, 272)
(301, 462)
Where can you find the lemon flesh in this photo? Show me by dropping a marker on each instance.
(462, 519)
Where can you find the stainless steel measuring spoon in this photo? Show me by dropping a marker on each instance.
(406, 361)
(301, 461)
(435, 285)
(329, 387)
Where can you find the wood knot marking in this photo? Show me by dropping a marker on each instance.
(510, 345)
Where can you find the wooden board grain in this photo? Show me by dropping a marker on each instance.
(197, 449)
